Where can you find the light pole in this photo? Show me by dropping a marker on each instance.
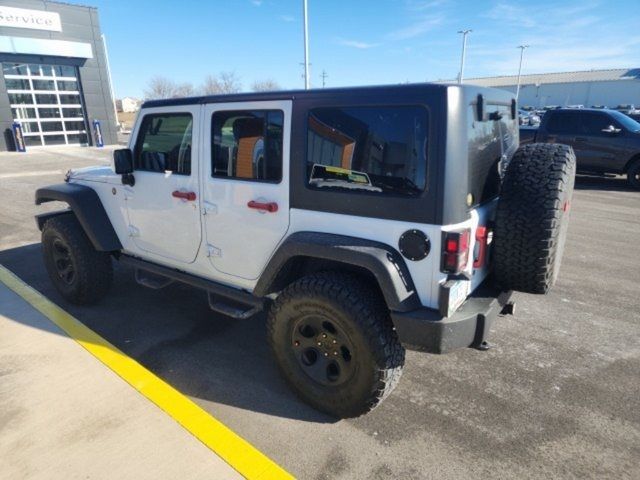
(464, 52)
(307, 78)
(522, 49)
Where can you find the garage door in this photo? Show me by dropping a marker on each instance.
(46, 101)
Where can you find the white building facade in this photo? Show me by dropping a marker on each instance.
(594, 87)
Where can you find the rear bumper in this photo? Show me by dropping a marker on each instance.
(427, 330)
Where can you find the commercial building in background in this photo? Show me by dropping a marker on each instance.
(128, 105)
(594, 87)
(55, 79)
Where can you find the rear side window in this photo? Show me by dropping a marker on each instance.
(563, 122)
(247, 145)
(164, 143)
(374, 149)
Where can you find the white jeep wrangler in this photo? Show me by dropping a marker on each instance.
(363, 219)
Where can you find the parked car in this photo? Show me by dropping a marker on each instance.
(363, 219)
(528, 118)
(605, 141)
(600, 107)
(625, 108)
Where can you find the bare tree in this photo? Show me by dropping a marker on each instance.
(268, 85)
(159, 87)
(224, 82)
(184, 90)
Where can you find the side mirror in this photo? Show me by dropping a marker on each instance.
(123, 161)
(611, 129)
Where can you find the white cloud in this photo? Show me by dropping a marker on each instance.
(287, 18)
(421, 5)
(418, 28)
(357, 44)
(257, 3)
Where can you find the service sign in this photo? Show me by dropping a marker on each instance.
(33, 19)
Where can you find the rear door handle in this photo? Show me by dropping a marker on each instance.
(191, 196)
(270, 207)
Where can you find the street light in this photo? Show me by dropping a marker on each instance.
(307, 79)
(522, 49)
(464, 52)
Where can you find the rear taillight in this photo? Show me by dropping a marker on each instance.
(455, 251)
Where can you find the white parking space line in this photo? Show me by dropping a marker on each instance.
(31, 174)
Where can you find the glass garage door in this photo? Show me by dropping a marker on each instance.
(46, 100)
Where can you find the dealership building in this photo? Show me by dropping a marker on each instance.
(609, 87)
(55, 81)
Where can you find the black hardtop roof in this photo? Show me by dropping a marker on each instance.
(380, 91)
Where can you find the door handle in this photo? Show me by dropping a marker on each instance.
(270, 207)
(191, 196)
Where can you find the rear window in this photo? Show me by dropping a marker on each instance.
(373, 149)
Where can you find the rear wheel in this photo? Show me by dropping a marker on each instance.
(532, 217)
(334, 342)
(633, 175)
(81, 274)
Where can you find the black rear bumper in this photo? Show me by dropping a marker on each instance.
(427, 330)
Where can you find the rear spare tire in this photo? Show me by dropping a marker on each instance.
(532, 217)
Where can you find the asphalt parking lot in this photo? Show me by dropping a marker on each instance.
(558, 396)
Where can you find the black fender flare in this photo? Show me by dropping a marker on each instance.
(85, 204)
(382, 261)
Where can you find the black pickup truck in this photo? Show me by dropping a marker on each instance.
(605, 141)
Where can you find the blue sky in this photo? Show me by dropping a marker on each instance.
(360, 42)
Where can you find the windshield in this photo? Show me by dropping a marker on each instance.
(627, 122)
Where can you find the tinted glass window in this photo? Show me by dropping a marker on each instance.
(44, 85)
(45, 98)
(164, 143)
(594, 123)
(70, 99)
(21, 113)
(17, 84)
(67, 85)
(64, 71)
(563, 122)
(19, 98)
(14, 68)
(626, 121)
(248, 145)
(368, 149)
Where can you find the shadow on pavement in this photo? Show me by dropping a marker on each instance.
(173, 333)
(587, 182)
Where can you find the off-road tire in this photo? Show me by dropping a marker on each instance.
(362, 317)
(532, 217)
(633, 175)
(92, 270)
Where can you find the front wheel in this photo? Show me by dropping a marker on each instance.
(81, 274)
(334, 342)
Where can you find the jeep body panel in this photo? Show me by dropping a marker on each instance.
(87, 207)
(384, 262)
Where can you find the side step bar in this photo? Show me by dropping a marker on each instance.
(217, 292)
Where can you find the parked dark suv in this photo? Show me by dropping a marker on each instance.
(604, 141)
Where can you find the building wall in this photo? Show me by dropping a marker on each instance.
(80, 24)
(609, 93)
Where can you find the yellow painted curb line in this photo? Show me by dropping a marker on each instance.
(233, 449)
